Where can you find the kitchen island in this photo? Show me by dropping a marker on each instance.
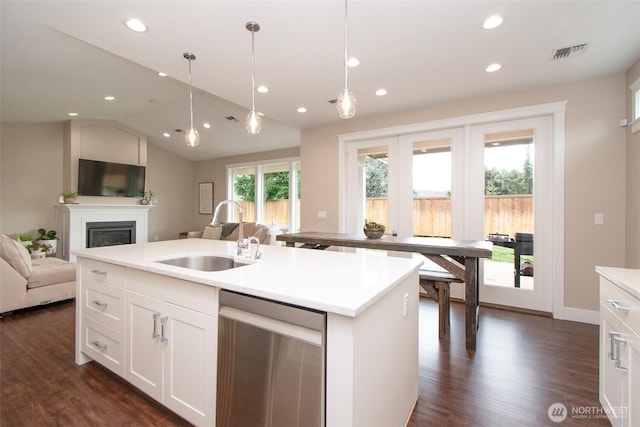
(156, 324)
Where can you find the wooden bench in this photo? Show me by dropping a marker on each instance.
(436, 285)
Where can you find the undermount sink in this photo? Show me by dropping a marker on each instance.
(204, 262)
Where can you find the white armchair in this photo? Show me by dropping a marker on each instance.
(27, 283)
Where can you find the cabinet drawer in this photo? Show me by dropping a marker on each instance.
(103, 272)
(103, 345)
(103, 303)
(622, 304)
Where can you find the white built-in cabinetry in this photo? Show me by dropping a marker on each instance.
(157, 332)
(619, 347)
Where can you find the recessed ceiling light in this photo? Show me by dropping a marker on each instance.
(262, 89)
(353, 62)
(206, 125)
(302, 110)
(135, 25)
(492, 22)
(166, 135)
(161, 74)
(381, 92)
(72, 114)
(492, 68)
(109, 98)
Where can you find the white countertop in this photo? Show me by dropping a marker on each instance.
(336, 282)
(627, 279)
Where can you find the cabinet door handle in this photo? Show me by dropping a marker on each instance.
(99, 272)
(101, 305)
(619, 341)
(100, 346)
(155, 334)
(615, 304)
(612, 345)
(163, 323)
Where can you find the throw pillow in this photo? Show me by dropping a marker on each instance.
(16, 255)
(212, 232)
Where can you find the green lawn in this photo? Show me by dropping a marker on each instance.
(502, 254)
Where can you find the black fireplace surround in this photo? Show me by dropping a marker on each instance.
(110, 233)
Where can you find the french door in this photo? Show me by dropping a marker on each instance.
(440, 184)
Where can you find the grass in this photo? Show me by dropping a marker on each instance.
(502, 254)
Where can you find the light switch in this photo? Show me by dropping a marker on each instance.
(598, 219)
(322, 214)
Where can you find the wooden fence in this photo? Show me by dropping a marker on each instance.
(431, 215)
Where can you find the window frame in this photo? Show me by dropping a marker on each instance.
(635, 106)
(294, 165)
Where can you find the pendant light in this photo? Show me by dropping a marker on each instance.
(192, 137)
(346, 101)
(253, 123)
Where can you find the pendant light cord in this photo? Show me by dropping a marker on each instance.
(253, 73)
(346, 44)
(190, 98)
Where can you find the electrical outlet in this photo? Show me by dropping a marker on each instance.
(322, 214)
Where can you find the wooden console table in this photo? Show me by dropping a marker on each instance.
(459, 257)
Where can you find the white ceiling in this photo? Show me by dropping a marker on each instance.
(62, 56)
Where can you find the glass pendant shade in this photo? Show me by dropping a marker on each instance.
(346, 101)
(192, 137)
(253, 124)
(346, 104)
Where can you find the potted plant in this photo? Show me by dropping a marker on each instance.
(48, 238)
(25, 239)
(69, 196)
(373, 230)
(38, 250)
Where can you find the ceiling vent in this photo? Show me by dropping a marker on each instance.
(333, 101)
(231, 119)
(178, 130)
(566, 52)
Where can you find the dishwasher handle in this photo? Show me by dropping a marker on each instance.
(283, 328)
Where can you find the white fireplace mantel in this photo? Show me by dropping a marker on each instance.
(73, 219)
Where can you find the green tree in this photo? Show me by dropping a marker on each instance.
(500, 182)
(276, 186)
(376, 172)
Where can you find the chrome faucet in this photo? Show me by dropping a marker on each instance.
(258, 253)
(241, 243)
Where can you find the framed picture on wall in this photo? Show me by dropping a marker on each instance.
(206, 197)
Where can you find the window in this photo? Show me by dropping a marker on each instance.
(635, 106)
(265, 190)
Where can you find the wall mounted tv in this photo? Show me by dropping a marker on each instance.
(96, 178)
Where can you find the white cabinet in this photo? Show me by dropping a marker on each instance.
(171, 356)
(158, 332)
(619, 354)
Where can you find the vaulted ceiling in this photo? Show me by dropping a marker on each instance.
(66, 56)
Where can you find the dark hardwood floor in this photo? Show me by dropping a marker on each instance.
(523, 364)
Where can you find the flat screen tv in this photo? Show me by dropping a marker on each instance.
(96, 178)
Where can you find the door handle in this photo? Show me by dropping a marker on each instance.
(163, 323)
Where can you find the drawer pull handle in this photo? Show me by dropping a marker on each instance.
(163, 323)
(100, 346)
(99, 272)
(615, 304)
(155, 333)
(619, 341)
(101, 305)
(612, 345)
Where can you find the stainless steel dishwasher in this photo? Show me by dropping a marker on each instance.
(271, 363)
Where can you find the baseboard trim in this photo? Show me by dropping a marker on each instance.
(583, 316)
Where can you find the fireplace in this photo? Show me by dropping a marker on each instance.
(74, 218)
(110, 233)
